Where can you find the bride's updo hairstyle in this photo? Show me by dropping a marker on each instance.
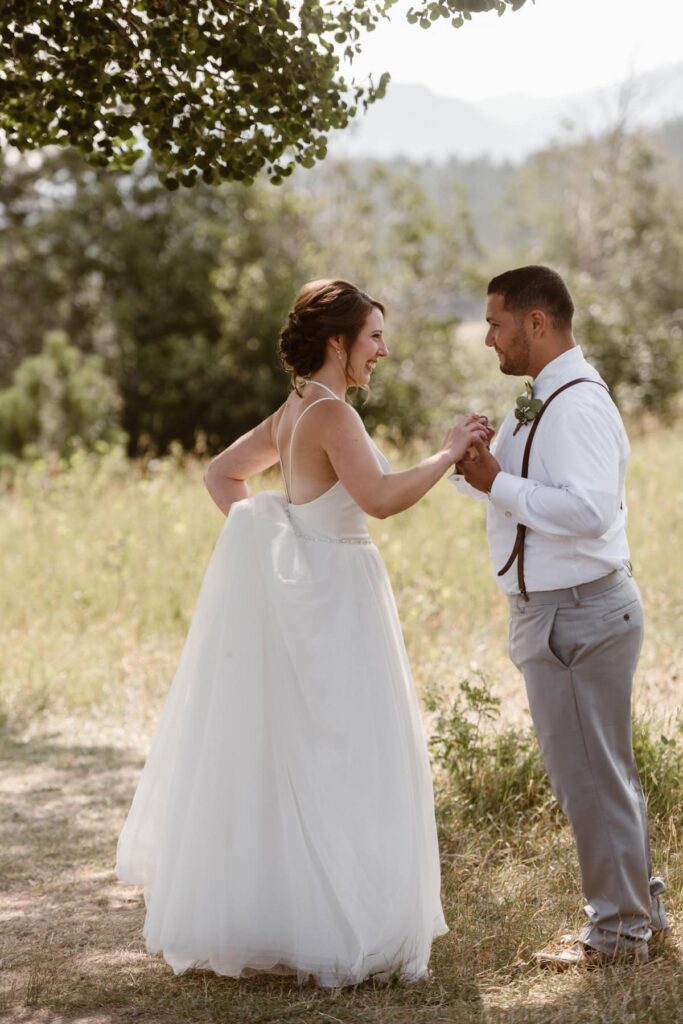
(322, 309)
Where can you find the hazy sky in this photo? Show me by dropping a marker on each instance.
(550, 48)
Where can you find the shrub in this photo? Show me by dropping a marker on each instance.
(58, 399)
(492, 775)
(497, 776)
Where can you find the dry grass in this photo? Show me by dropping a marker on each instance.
(71, 934)
(107, 560)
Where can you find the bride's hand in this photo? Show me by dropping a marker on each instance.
(471, 455)
(463, 436)
(474, 417)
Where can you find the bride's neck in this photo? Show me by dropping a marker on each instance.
(334, 381)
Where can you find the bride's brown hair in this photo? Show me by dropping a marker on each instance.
(322, 310)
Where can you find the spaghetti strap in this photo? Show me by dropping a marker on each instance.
(279, 454)
(288, 484)
(291, 442)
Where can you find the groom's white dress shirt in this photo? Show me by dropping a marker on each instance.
(573, 500)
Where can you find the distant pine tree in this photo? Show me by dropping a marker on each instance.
(57, 398)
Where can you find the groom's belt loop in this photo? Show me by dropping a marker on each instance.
(517, 553)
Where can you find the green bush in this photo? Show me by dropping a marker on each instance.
(608, 213)
(58, 399)
(183, 294)
(497, 776)
(494, 776)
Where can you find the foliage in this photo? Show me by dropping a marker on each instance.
(609, 213)
(213, 89)
(497, 776)
(459, 11)
(416, 253)
(57, 399)
(183, 295)
(165, 288)
(493, 776)
(217, 89)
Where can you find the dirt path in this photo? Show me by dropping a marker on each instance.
(66, 923)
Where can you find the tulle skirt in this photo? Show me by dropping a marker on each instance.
(284, 818)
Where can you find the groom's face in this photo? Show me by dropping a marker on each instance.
(507, 334)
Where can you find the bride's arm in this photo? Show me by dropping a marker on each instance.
(227, 473)
(346, 443)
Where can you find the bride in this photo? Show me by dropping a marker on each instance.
(284, 819)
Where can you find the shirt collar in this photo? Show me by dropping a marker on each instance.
(560, 369)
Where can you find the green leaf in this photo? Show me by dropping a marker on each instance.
(172, 72)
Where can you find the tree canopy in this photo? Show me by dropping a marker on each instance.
(459, 11)
(182, 295)
(212, 89)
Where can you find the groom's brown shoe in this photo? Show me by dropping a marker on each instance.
(583, 956)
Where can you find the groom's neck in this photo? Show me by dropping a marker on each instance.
(549, 348)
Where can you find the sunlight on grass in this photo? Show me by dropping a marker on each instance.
(101, 567)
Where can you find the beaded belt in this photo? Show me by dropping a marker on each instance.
(334, 540)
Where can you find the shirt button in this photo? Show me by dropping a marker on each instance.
(508, 515)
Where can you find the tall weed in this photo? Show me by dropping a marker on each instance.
(496, 777)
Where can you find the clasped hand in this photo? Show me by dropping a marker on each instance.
(478, 465)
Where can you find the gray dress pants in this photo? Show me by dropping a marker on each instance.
(577, 650)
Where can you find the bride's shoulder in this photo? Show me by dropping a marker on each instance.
(338, 413)
(335, 425)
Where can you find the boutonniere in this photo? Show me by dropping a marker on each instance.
(527, 407)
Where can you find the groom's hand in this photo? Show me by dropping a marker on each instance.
(479, 468)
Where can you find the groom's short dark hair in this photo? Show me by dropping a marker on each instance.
(535, 288)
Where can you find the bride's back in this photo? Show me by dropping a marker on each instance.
(306, 469)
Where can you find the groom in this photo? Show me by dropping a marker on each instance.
(554, 484)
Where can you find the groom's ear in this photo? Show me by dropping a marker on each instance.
(539, 322)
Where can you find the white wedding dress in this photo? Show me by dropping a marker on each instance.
(284, 818)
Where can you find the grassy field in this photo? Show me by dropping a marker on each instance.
(100, 569)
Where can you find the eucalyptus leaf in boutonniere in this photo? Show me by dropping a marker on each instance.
(526, 407)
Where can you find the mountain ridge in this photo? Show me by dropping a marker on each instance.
(416, 123)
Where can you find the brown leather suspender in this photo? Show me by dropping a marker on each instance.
(517, 553)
